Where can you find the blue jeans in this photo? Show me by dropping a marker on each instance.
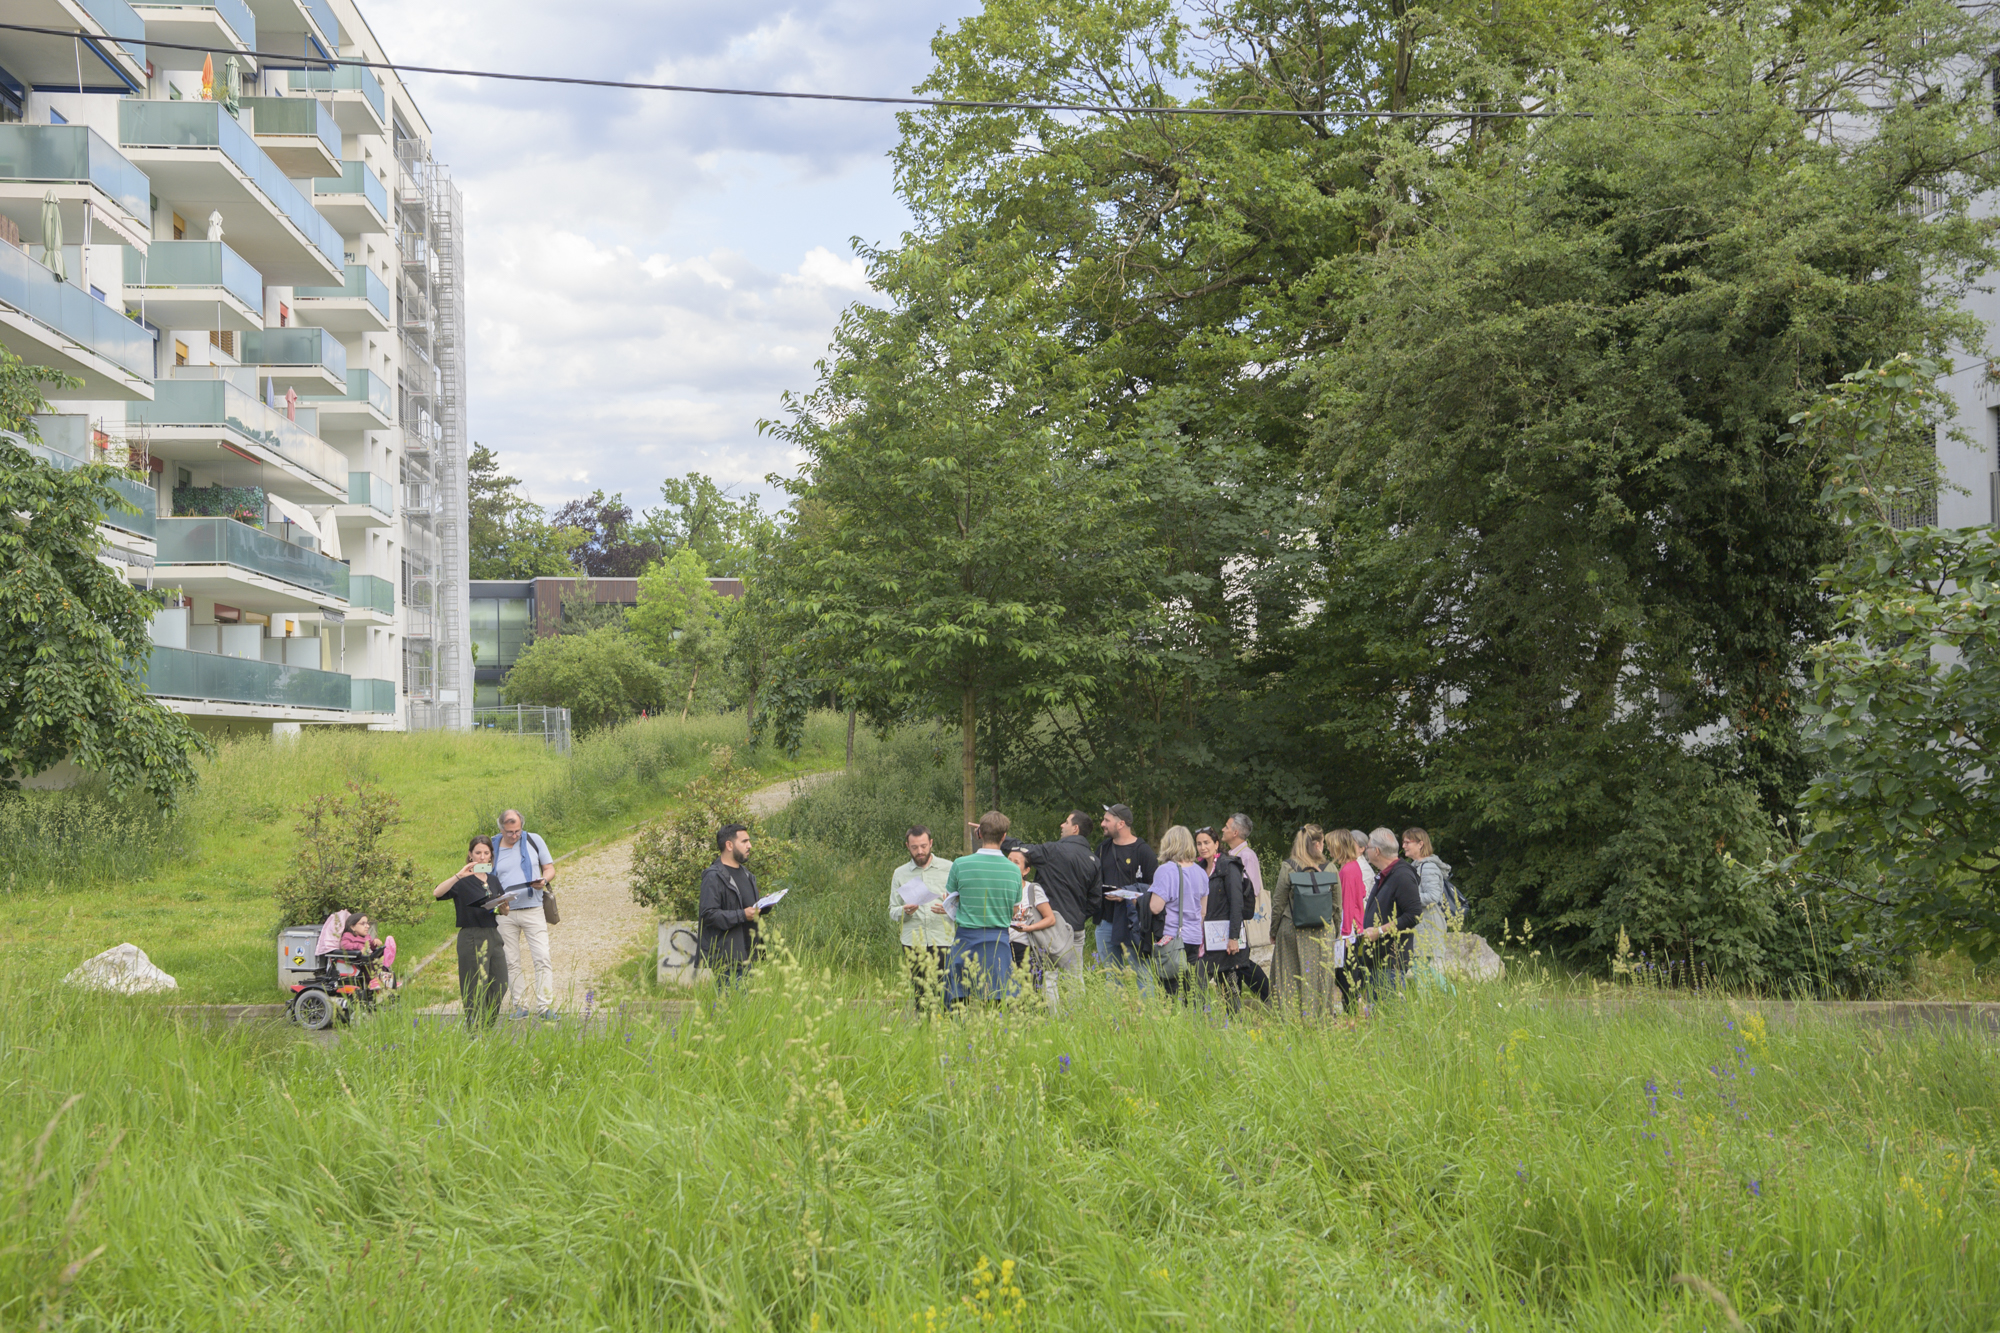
(980, 965)
(1104, 943)
(1118, 947)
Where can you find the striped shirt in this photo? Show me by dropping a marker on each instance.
(988, 886)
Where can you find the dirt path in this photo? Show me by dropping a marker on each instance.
(601, 926)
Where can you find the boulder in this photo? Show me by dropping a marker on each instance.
(125, 970)
(1469, 957)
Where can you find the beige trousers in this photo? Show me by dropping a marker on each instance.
(527, 925)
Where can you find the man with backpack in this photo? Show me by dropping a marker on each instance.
(522, 864)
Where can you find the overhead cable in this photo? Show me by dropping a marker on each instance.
(293, 60)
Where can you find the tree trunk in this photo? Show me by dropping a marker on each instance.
(970, 726)
(850, 738)
(750, 718)
(690, 699)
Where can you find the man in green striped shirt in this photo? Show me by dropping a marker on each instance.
(988, 886)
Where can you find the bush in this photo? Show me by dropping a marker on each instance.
(343, 861)
(602, 677)
(670, 854)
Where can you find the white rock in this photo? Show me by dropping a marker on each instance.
(1469, 957)
(125, 969)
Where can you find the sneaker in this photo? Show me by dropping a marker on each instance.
(518, 1013)
(549, 1016)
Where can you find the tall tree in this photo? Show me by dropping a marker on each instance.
(73, 634)
(680, 619)
(508, 536)
(615, 546)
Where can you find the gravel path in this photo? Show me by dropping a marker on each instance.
(601, 926)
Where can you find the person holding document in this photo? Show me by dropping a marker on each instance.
(729, 907)
(1231, 902)
(482, 963)
(916, 902)
(522, 861)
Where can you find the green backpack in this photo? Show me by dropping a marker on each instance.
(1315, 899)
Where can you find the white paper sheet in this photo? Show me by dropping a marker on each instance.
(1215, 936)
(951, 905)
(1123, 895)
(915, 893)
(771, 899)
(1340, 951)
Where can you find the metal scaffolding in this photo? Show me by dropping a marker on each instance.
(437, 668)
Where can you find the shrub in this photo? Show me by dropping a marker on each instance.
(343, 861)
(670, 854)
(602, 677)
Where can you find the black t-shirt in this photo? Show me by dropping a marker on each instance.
(467, 894)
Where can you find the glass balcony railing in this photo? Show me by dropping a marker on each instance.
(363, 386)
(234, 13)
(180, 673)
(356, 178)
(225, 406)
(362, 282)
(117, 20)
(206, 125)
(293, 347)
(374, 696)
(343, 79)
(73, 313)
(196, 264)
(224, 541)
(134, 492)
(365, 592)
(295, 116)
(365, 488)
(73, 153)
(321, 13)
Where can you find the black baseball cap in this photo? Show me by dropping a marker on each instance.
(1123, 812)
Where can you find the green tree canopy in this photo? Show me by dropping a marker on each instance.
(73, 633)
(602, 677)
(507, 534)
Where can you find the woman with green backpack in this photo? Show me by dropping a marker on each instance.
(1305, 919)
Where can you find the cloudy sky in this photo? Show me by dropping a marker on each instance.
(648, 272)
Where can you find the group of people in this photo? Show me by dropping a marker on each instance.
(501, 897)
(1347, 910)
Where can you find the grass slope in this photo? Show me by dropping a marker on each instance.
(195, 894)
(798, 1158)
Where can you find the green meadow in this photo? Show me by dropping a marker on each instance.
(803, 1155)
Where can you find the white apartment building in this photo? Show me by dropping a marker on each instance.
(257, 279)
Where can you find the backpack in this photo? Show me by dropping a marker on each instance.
(1453, 901)
(1315, 899)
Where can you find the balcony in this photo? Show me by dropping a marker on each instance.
(374, 696)
(297, 133)
(359, 305)
(90, 179)
(368, 404)
(194, 285)
(366, 593)
(107, 54)
(202, 161)
(181, 673)
(309, 360)
(198, 28)
(219, 557)
(307, 27)
(130, 489)
(359, 104)
(50, 323)
(370, 500)
(239, 440)
(355, 201)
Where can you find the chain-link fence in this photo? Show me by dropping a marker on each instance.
(550, 725)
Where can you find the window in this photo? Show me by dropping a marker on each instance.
(227, 615)
(180, 352)
(97, 291)
(57, 118)
(180, 228)
(225, 339)
(485, 613)
(284, 315)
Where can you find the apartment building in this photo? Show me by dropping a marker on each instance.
(253, 265)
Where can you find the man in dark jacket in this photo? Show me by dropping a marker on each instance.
(1391, 914)
(729, 906)
(1123, 859)
(1067, 870)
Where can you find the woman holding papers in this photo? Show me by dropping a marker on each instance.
(1226, 953)
(482, 963)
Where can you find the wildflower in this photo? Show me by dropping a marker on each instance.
(1064, 1062)
(1757, 1189)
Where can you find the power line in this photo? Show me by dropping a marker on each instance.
(946, 103)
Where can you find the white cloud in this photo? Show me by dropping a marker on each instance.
(649, 273)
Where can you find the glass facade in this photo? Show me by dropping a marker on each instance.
(501, 628)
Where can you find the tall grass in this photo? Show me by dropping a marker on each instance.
(795, 1158)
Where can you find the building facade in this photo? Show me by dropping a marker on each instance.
(254, 268)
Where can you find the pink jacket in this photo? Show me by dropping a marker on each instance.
(1353, 897)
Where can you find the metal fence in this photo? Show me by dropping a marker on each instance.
(549, 725)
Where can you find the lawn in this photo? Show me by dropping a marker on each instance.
(803, 1156)
(196, 892)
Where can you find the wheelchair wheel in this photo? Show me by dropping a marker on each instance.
(313, 1010)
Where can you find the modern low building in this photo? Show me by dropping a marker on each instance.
(251, 265)
(508, 615)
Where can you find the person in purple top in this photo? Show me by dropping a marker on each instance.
(1180, 898)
